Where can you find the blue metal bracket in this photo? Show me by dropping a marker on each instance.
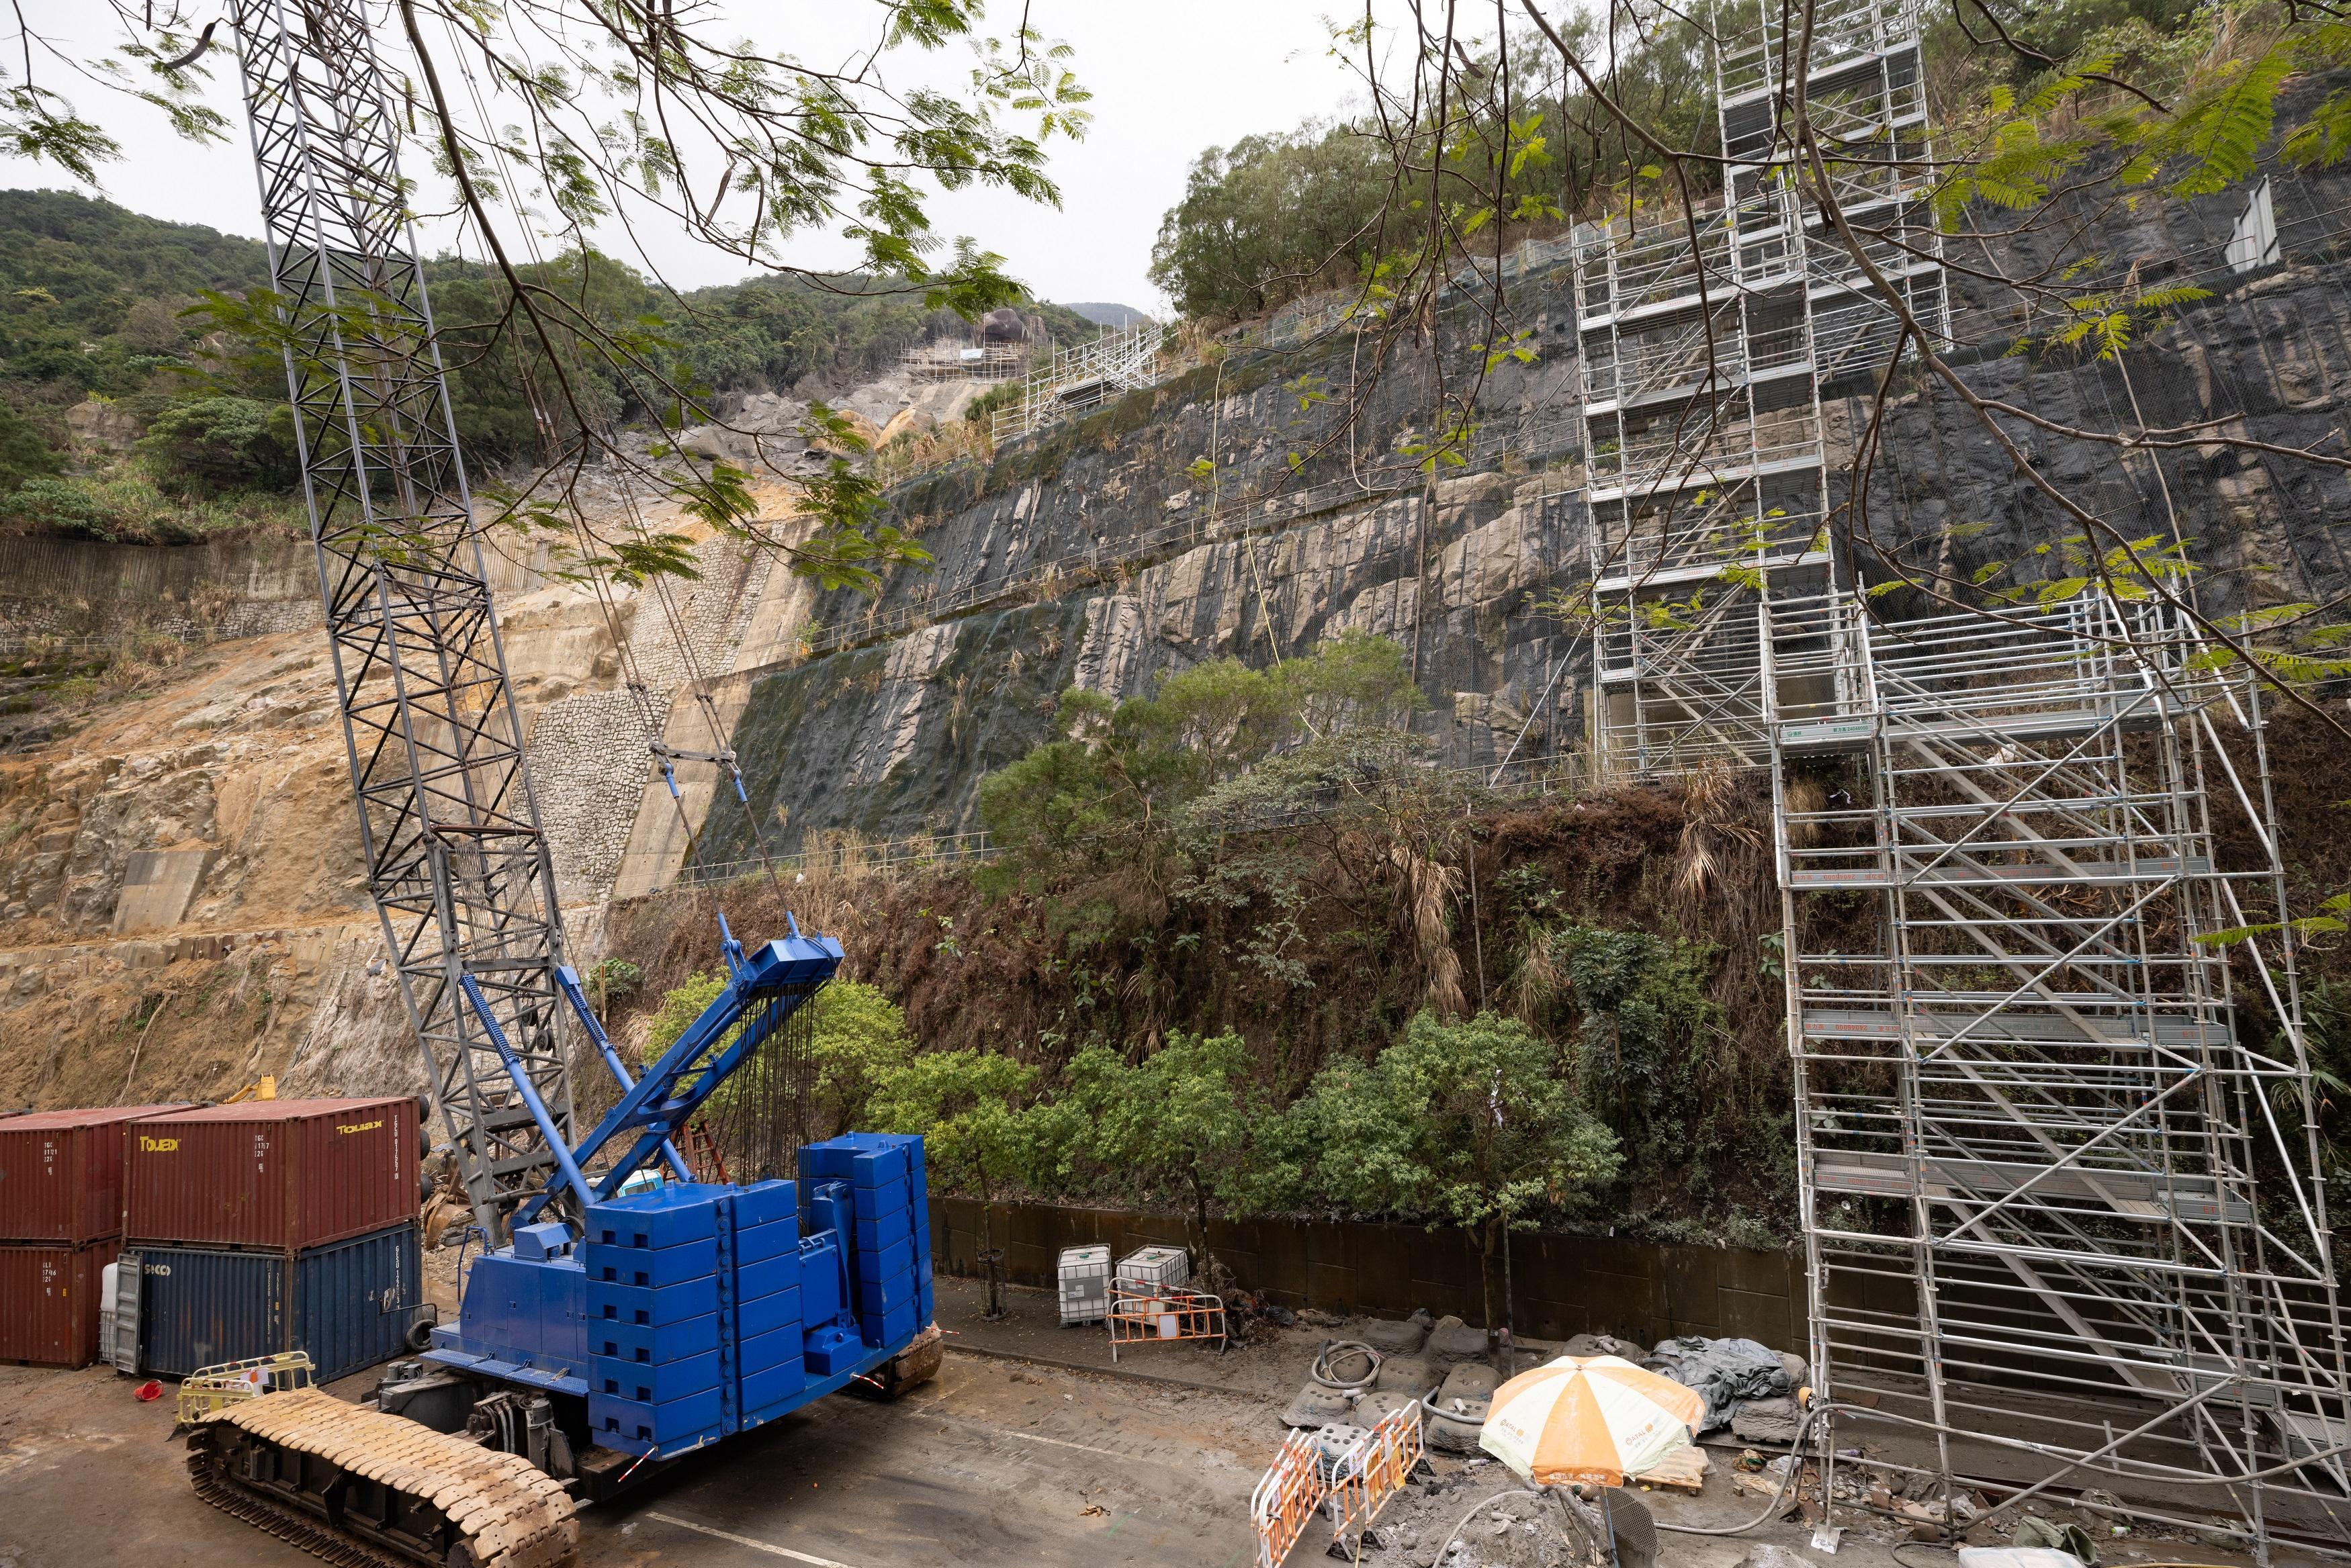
(764, 988)
(568, 983)
(567, 1166)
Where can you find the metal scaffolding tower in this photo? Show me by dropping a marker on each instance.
(1075, 381)
(1708, 340)
(455, 859)
(2058, 1210)
(2055, 1204)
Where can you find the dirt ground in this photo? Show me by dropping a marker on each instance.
(1028, 1448)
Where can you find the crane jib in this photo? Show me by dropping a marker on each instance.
(764, 989)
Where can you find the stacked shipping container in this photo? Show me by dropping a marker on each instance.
(277, 1175)
(274, 1225)
(60, 1225)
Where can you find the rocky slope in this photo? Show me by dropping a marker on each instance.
(1097, 555)
(1166, 528)
(181, 883)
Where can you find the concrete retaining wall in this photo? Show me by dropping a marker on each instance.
(1562, 1285)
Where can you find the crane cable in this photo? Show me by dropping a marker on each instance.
(632, 670)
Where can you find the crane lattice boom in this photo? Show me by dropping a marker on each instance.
(457, 861)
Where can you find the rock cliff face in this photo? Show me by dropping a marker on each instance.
(2265, 357)
(1162, 529)
(183, 894)
(1168, 528)
(1096, 554)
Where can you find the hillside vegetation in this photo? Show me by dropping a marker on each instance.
(1338, 203)
(101, 302)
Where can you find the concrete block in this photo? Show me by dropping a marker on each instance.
(157, 887)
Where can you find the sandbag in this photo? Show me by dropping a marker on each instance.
(1316, 1406)
(1455, 1431)
(2031, 1530)
(1469, 1380)
(1766, 1421)
(1373, 1408)
(1588, 1345)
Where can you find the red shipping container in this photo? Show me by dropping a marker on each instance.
(61, 1173)
(275, 1174)
(49, 1302)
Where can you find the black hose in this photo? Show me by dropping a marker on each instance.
(1795, 1468)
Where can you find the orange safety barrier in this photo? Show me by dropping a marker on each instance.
(1288, 1496)
(1374, 1468)
(1139, 1311)
(1352, 1488)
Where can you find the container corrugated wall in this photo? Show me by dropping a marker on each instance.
(61, 1174)
(349, 1303)
(48, 1302)
(271, 1174)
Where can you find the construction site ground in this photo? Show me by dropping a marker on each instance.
(1029, 1448)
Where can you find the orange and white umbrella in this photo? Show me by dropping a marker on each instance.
(1588, 1418)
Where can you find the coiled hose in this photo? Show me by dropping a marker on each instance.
(1335, 1350)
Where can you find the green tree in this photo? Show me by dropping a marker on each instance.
(979, 1130)
(1652, 1050)
(1183, 1122)
(225, 442)
(520, 116)
(1272, 217)
(1112, 788)
(680, 1006)
(1474, 1124)
(856, 1035)
(23, 453)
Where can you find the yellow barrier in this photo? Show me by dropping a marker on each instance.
(211, 1388)
(1352, 1488)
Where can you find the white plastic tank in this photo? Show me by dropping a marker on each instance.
(1085, 1285)
(1157, 1267)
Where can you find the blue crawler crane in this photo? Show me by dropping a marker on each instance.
(649, 1321)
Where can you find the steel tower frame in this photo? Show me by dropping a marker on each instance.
(1707, 342)
(2043, 1174)
(455, 860)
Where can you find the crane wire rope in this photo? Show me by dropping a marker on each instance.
(633, 668)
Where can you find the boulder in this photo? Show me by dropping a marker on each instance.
(101, 423)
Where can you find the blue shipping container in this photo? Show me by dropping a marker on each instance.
(349, 1303)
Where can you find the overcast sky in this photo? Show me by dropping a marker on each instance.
(1167, 79)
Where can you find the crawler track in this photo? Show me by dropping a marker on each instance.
(362, 1490)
